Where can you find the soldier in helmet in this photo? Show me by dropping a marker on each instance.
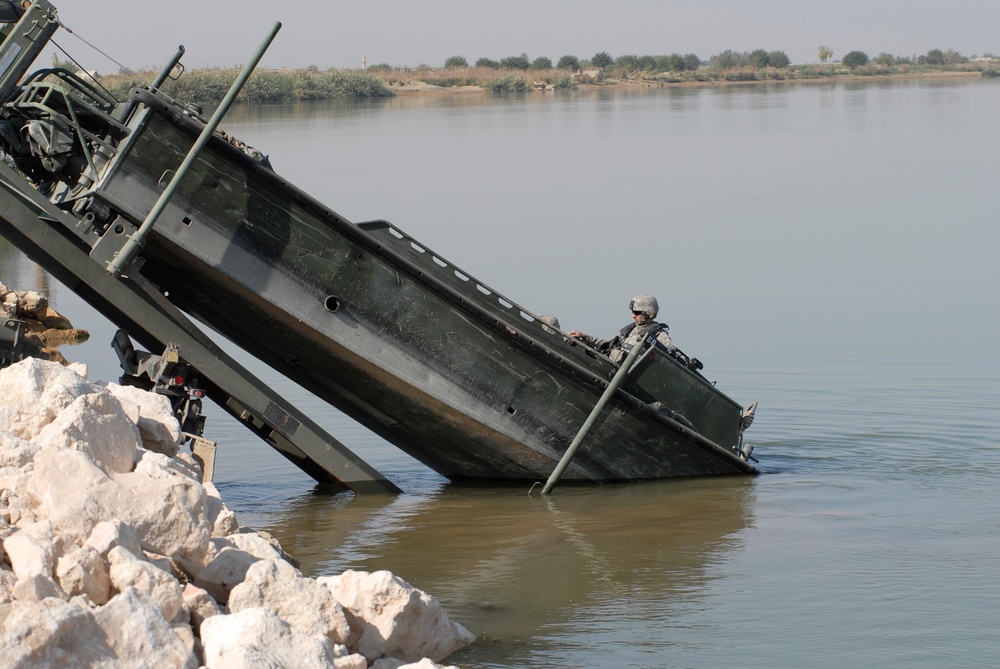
(644, 309)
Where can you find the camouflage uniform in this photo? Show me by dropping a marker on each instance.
(617, 347)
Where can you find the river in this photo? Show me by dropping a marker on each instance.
(828, 250)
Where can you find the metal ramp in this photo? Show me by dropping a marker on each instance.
(43, 232)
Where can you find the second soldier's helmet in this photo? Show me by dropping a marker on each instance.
(647, 304)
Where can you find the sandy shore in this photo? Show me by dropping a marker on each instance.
(418, 87)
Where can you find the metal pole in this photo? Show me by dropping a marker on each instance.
(592, 418)
(134, 243)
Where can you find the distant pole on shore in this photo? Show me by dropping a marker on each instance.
(364, 61)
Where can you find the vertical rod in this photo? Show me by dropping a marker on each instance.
(134, 243)
(155, 85)
(168, 68)
(592, 418)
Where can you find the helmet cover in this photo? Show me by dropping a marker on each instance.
(645, 303)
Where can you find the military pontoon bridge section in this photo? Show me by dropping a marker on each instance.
(34, 225)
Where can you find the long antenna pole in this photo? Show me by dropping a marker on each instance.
(135, 243)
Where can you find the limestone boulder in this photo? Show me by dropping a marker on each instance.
(301, 602)
(257, 637)
(14, 509)
(30, 550)
(95, 424)
(74, 509)
(7, 582)
(223, 520)
(32, 304)
(36, 588)
(169, 515)
(34, 392)
(52, 634)
(15, 452)
(110, 533)
(227, 569)
(137, 632)
(254, 543)
(201, 605)
(83, 572)
(391, 618)
(158, 427)
(128, 571)
(350, 661)
(159, 466)
(394, 663)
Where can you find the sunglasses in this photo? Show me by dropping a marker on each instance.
(637, 313)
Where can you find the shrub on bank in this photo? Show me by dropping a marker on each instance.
(512, 83)
(264, 86)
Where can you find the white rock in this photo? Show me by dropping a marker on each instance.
(160, 466)
(222, 519)
(128, 571)
(37, 587)
(84, 572)
(97, 425)
(187, 637)
(13, 509)
(74, 509)
(391, 618)
(200, 604)
(226, 570)
(30, 551)
(395, 663)
(80, 368)
(160, 430)
(110, 533)
(163, 563)
(14, 451)
(352, 661)
(256, 545)
(186, 464)
(7, 581)
(34, 392)
(256, 638)
(53, 634)
(169, 515)
(138, 633)
(301, 602)
(32, 304)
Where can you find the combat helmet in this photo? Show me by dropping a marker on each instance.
(645, 303)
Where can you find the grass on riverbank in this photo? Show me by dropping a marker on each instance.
(210, 85)
(274, 86)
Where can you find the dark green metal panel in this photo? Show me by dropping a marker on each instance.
(30, 222)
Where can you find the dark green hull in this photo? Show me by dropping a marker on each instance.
(438, 364)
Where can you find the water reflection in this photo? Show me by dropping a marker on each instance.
(521, 570)
(17, 272)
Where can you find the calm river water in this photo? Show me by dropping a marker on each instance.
(829, 250)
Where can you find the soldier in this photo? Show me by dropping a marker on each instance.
(549, 323)
(644, 309)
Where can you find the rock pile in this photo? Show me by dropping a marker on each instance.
(46, 328)
(115, 554)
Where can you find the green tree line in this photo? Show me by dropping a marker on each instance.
(674, 62)
(510, 73)
(724, 60)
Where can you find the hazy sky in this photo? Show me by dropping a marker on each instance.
(330, 33)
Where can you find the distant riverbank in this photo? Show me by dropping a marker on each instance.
(209, 86)
(418, 86)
